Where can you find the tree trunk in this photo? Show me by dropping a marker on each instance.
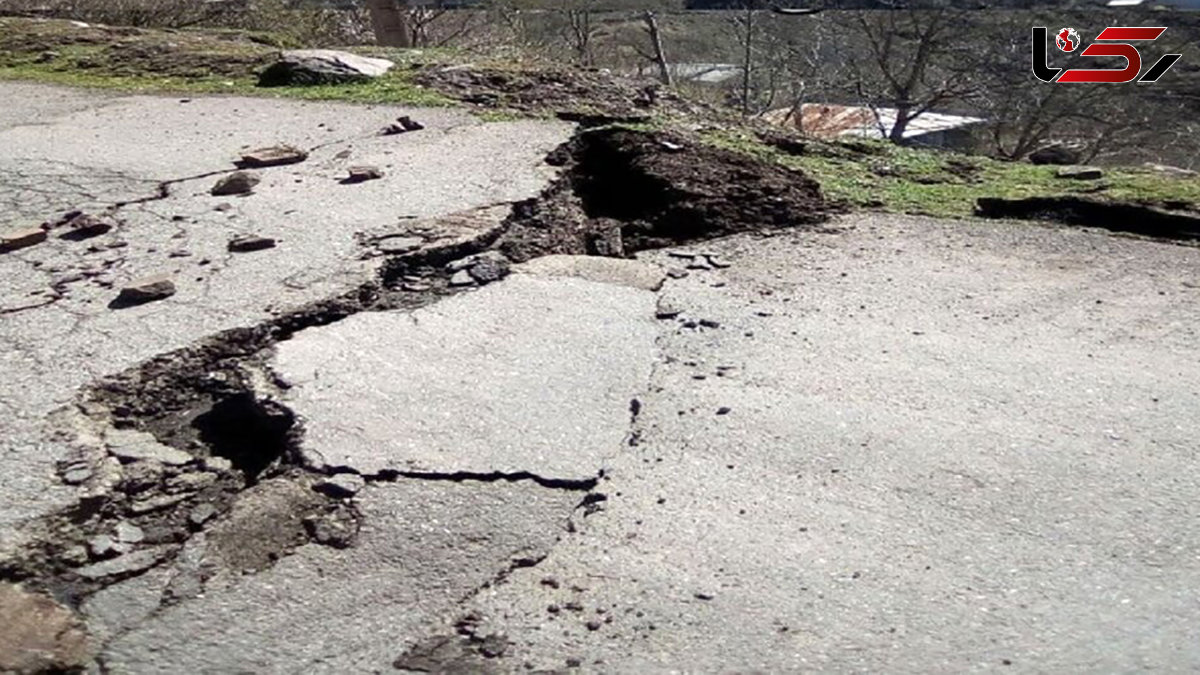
(390, 23)
(748, 57)
(660, 56)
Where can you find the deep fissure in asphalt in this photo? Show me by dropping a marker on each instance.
(621, 191)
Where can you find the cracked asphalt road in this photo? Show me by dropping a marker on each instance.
(64, 150)
(903, 445)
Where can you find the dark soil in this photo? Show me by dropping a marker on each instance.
(1140, 219)
(625, 190)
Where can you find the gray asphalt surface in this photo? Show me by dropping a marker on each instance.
(910, 445)
(62, 150)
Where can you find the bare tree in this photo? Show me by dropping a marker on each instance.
(912, 60)
(390, 22)
(657, 54)
(782, 54)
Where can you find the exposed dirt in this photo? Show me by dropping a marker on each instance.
(624, 190)
(1140, 219)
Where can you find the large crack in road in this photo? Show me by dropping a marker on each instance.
(196, 463)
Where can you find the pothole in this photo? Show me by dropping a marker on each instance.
(250, 433)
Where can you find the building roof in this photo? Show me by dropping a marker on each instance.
(828, 120)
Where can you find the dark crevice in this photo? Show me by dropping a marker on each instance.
(251, 434)
(575, 484)
(1139, 219)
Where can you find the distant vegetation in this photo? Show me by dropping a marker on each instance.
(949, 59)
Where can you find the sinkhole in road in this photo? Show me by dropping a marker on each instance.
(250, 433)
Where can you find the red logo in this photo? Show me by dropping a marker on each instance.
(1112, 41)
(1067, 39)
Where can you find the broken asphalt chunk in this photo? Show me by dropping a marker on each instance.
(19, 239)
(201, 515)
(402, 124)
(398, 244)
(361, 174)
(236, 183)
(146, 289)
(128, 446)
(341, 485)
(249, 243)
(276, 155)
(103, 546)
(666, 310)
(130, 563)
(79, 226)
(462, 278)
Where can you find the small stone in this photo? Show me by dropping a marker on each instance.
(395, 245)
(337, 529)
(341, 485)
(360, 174)
(676, 273)
(236, 183)
(128, 533)
(223, 206)
(83, 226)
(718, 263)
(103, 546)
(276, 155)
(487, 270)
(723, 410)
(493, 646)
(191, 481)
(75, 556)
(415, 287)
(250, 242)
(159, 503)
(671, 147)
(462, 278)
(703, 596)
(202, 514)
(19, 239)
(402, 124)
(710, 323)
(1080, 173)
(179, 254)
(666, 310)
(218, 464)
(699, 264)
(146, 289)
(683, 255)
(593, 625)
(75, 471)
(130, 563)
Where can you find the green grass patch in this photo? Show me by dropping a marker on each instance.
(880, 175)
(190, 62)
